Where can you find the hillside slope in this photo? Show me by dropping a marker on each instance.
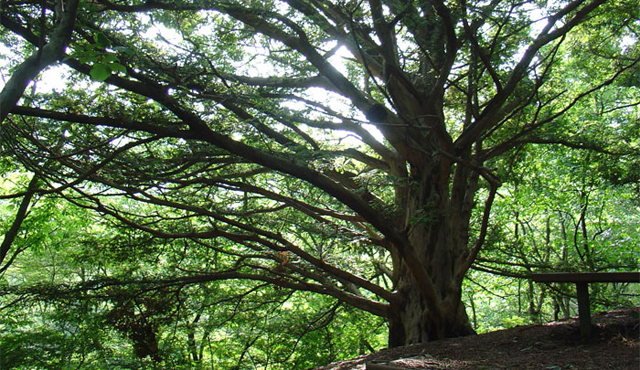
(554, 346)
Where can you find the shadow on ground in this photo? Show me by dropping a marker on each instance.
(556, 346)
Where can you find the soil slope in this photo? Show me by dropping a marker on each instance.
(555, 346)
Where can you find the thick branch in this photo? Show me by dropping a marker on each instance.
(33, 65)
(21, 214)
(62, 290)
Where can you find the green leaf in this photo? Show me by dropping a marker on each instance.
(117, 67)
(100, 72)
(125, 49)
(109, 58)
(101, 40)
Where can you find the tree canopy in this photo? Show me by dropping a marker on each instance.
(240, 167)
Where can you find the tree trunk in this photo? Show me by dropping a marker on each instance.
(412, 319)
(436, 222)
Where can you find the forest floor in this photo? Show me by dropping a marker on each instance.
(555, 346)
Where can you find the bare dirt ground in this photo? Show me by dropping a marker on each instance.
(555, 346)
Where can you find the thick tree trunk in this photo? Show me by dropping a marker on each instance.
(437, 224)
(412, 320)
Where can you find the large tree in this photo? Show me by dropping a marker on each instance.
(336, 147)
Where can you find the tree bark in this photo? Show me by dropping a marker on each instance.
(21, 214)
(436, 222)
(33, 65)
(413, 320)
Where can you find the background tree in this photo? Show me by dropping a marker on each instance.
(336, 148)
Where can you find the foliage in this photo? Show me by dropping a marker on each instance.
(279, 184)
